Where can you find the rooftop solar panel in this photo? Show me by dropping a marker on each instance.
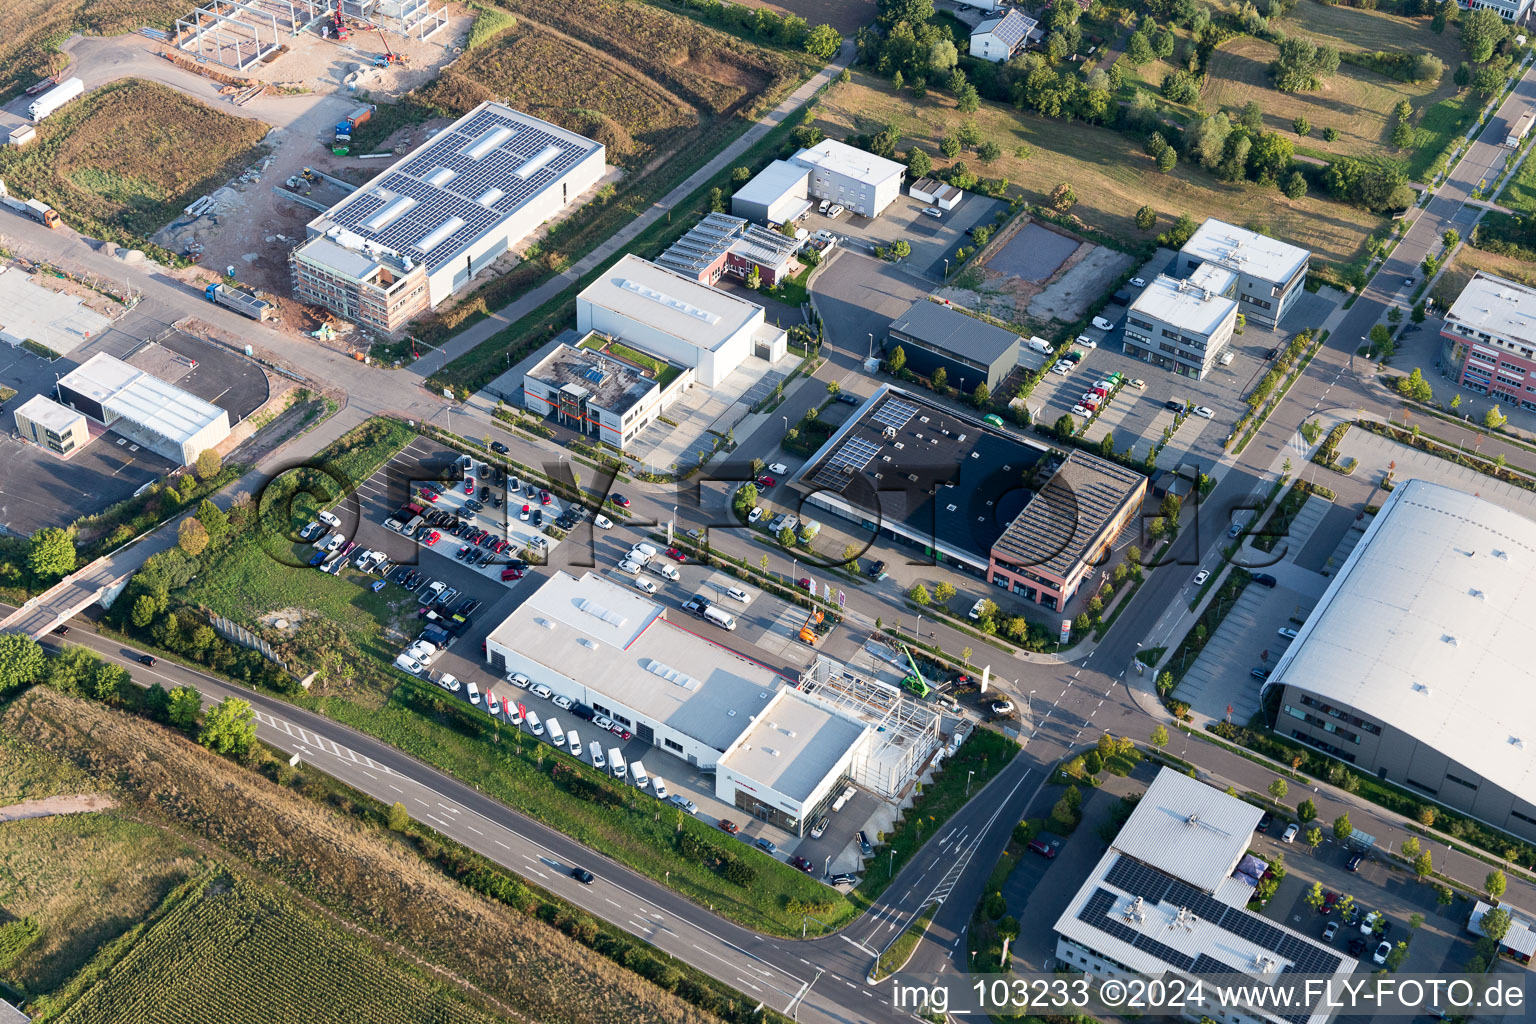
(894, 413)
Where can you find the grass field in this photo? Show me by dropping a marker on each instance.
(1356, 102)
(28, 774)
(238, 951)
(844, 15)
(1110, 173)
(121, 163)
(31, 32)
(1520, 193)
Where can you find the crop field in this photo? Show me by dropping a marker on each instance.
(573, 86)
(1111, 174)
(231, 950)
(122, 163)
(1358, 103)
(529, 967)
(30, 31)
(847, 16)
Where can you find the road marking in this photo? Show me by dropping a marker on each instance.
(473, 829)
(396, 788)
(613, 902)
(501, 844)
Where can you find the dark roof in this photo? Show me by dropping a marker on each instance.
(1063, 521)
(615, 386)
(948, 330)
(924, 470)
(1011, 28)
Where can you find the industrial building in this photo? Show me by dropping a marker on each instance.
(1052, 547)
(721, 244)
(1490, 335)
(143, 409)
(1413, 667)
(1519, 942)
(970, 351)
(779, 752)
(600, 394)
(677, 319)
(831, 170)
(425, 227)
(922, 475)
(50, 425)
(1168, 900)
(1271, 275)
(999, 39)
(1183, 325)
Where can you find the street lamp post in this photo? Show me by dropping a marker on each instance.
(968, 781)
(786, 425)
(871, 353)
(946, 269)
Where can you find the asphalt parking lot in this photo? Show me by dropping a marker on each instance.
(933, 239)
(858, 297)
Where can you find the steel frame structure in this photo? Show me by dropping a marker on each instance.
(906, 731)
(221, 19)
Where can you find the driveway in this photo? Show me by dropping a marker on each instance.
(858, 297)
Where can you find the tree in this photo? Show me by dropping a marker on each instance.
(896, 359)
(1314, 837)
(1159, 738)
(1301, 125)
(1278, 789)
(1414, 386)
(1306, 811)
(1166, 160)
(968, 99)
(1423, 865)
(208, 465)
(1208, 140)
(1426, 813)
(755, 277)
(1481, 31)
(1451, 237)
(144, 610)
(51, 553)
(1146, 218)
(944, 592)
(399, 817)
(230, 727)
(919, 163)
(989, 151)
(901, 249)
(919, 595)
(1301, 64)
(898, 81)
(1410, 848)
(1418, 315)
(185, 705)
(1295, 186)
(1063, 197)
(940, 379)
(1139, 50)
(21, 661)
(1395, 314)
(717, 200)
(1066, 426)
(1252, 117)
(1342, 829)
(1494, 884)
(1495, 923)
(1315, 898)
(949, 146)
(192, 537)
(787, 538)
(968, 133)
(214, 521)
(823, 42)
(913, 12)
(981, 395)
(1493, 419)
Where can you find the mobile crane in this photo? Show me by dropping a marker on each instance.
(389, 56)
(339, 22)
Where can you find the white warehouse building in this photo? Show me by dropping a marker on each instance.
(777, 753)
(859, 180)
(678, 319)
(170, 422)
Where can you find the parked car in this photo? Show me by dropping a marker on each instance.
(1260, 671)
(1045, 846)
(727, 826)
(1356, 947)
(508, 575)
(620, 500)
(767, 845)
(1353, 864)
(1203, 412)
(1330, 930)
(683, 803)
(864, 845)
(766, 481)
(1264, 579)
(778, 467)
(499, 448)
(820, 828)
(1382, 951)
(1138, 282)
(1289, 836)
(1102, 324)
(1287, 632)
(561, 701)
(1002, 707)
(1265, 820)
(1369, 922)
(803, 863)
(843, 878)
(676, 555)
(876, 569)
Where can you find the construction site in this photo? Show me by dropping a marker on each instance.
(241, 34)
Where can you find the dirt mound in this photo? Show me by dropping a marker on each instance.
(455, 93)
(594, 124)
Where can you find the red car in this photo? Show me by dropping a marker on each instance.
(511, 574)
(469, 485)
(543, 497)
(433, 538)
(766, 481)
(804, 583)
(676, 555)
(620, 500)
(803, 864)
(501, 546)
(729, 827)
(619, 731)
(429, 495)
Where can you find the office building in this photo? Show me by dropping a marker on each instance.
(1183, 325)
(170, 422)
(1168, 900)
(721, 244)
(1413, 666)
(1509, 10)
(1051, 547)
(1490, 335)
(970, 351)
(1271, 275)
(853, 178)
(425, 227)
(50, 425)
(1519, 942)
(591, 389)
(677, 319)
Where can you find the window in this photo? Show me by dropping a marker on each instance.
(1523, 817)
(1459, 781)
(671, 744)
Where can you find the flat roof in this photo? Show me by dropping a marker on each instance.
(615, 386)
(47, 413)
(773, 182)
(1496, 306)
(849, 161)
(616, 641)
(140, 398)
(459, 186)
(1062, 522)
(672, 303)
(1189, 829)
(947, 329)
(1248, 252)
(1194, 304)
(1424, 628)
(794, 744)
(924, 470)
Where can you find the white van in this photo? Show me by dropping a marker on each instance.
(637, 771)
(514, 716)
(660, 787)
(329, 519)
(643, 549)
(534, 725)
(573, 742)
(556, 734)
(737, 594)
(616, 762)
(663, 570)
(474, 694)
(595, 751)
(725, 620)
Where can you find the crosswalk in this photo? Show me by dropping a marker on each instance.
(308, 740)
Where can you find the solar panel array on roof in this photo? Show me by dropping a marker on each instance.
(474, 173)
(847, 462)
(704, 243)
(894, 413)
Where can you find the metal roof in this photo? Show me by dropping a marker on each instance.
(947, 329)
(1424, 628)
(670, 302)
(1062, 522)
(1011, 29)
(140, 398)
(1496, 306)
(47, 413)
(851, 162)
(719, 233)
(1195, 304)
(773, 183)
(794, 744)
(468, 179)
(1189, 829)
(1521, 936)
(1246, 252)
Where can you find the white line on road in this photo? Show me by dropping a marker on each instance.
(396, 788)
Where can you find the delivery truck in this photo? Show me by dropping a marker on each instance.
(38, 211)
(1520, 129)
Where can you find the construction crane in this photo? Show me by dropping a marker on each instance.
(914, 682)
(389, 56)
(339, 21)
